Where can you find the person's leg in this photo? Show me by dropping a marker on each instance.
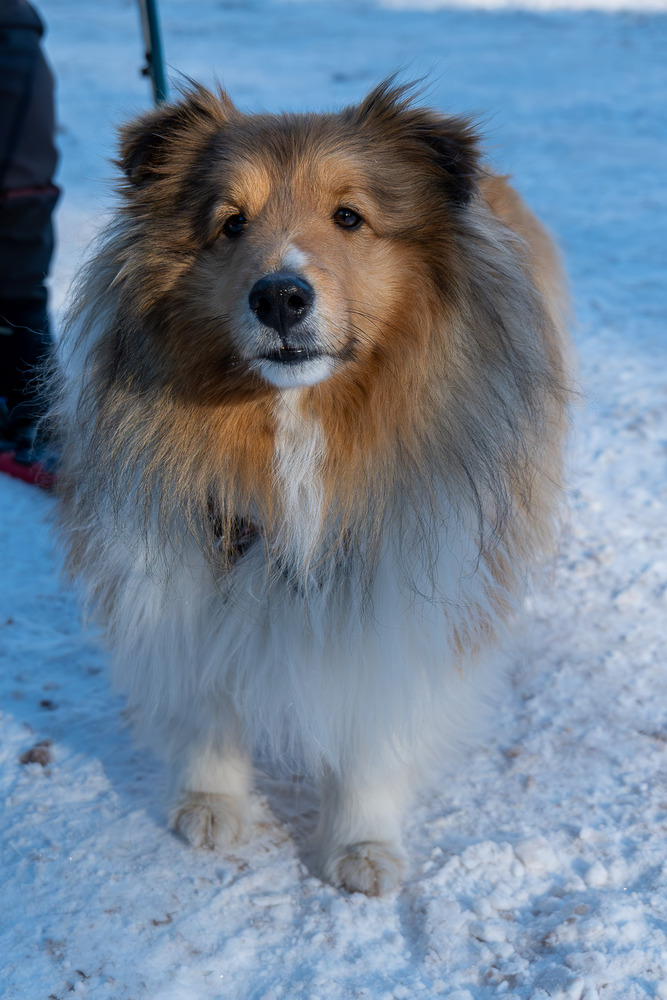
(26, 244)
(27, 200)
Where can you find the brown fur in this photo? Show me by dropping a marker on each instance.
(414, 290)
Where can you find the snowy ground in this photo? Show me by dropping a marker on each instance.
(539, 866)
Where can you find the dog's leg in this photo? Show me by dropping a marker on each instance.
(359, 835)
(210, 806)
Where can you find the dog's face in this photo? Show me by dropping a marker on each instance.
(280, 251)
(297, 258)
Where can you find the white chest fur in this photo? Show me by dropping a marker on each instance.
(298, 459)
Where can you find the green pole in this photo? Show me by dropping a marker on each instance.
(154, 67)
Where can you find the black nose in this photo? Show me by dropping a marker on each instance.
(281, 300)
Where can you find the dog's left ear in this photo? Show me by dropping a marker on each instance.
(450, 144)
(453, 143)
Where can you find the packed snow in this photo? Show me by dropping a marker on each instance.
(538, 860)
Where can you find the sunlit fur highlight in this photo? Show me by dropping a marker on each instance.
(395, 507)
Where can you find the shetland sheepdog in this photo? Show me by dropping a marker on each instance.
(312, 400)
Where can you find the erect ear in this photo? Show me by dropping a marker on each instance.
(148, 142)
(450, 143)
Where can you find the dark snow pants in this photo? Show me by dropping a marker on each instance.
(27, 199)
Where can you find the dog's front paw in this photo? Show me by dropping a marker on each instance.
(371, 866)
(207, 820)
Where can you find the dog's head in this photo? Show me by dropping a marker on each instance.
(282, 250)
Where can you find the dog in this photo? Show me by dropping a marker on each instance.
(312, 399)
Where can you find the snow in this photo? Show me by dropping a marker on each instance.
(538, 863)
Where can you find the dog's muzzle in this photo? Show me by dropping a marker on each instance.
(290, 354)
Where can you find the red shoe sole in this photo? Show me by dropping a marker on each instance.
(34, 473)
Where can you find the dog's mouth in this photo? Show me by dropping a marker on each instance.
(292, 355)
(290, 367)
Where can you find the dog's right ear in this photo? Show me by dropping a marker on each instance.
(148, 144)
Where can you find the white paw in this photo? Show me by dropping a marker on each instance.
(371, 866)
(207, 820)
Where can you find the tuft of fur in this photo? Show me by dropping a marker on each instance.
(312, 570)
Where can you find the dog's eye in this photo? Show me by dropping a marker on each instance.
(234, 225)
(346, 218)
